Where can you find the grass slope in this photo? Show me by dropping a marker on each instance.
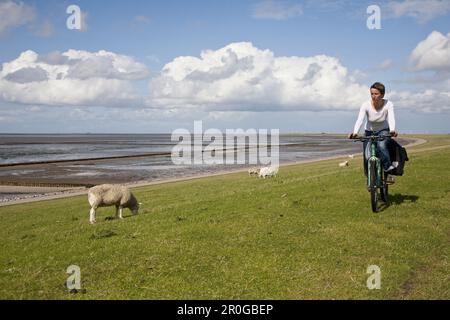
(307, 234)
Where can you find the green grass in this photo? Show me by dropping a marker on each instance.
(307, 234)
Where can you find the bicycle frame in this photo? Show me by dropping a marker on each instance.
(374, 158)
(374, 167)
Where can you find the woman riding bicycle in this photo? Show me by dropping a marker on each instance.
(380, 121)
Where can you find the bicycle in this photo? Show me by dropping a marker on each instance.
(376, 177)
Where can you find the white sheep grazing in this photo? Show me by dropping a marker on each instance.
(268, 172)
(343, 164)
(253, 171)
(109, 194)
(351, 156)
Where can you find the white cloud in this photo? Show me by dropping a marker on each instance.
(423, 11)
(427, 101)
(433, 53)
(103, 64)
(385, 65)
(243, 77)
(26, 75)
(276, 10)
(71, 78)
(14, 14)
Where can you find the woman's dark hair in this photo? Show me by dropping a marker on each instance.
(379, 86)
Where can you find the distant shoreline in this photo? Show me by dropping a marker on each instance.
(123, 159)
(48, 192)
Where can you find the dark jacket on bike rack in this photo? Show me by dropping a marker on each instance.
(397, 153)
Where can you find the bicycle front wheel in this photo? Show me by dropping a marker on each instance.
(373, 185)
(385, 190)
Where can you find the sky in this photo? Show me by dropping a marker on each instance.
(156, 66)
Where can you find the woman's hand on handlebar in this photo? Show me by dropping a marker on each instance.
(393, 133)
(352, 136)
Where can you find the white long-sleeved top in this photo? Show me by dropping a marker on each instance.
(376, 120)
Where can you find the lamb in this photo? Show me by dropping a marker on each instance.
(252, 171)
(343, 164)
(108, 195)
(268, 172)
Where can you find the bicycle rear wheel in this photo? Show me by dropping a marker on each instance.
(373, 185)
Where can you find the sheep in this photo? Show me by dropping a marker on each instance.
(343, 164)
(351, 156)
(268, 172)
(108, 195)
(252, 171)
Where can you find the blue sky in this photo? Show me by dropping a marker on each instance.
(143, 84)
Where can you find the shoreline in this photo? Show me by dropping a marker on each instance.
(37, 193)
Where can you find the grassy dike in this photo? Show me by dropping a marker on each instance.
(307, 234)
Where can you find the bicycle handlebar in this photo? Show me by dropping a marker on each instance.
(372, 138)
